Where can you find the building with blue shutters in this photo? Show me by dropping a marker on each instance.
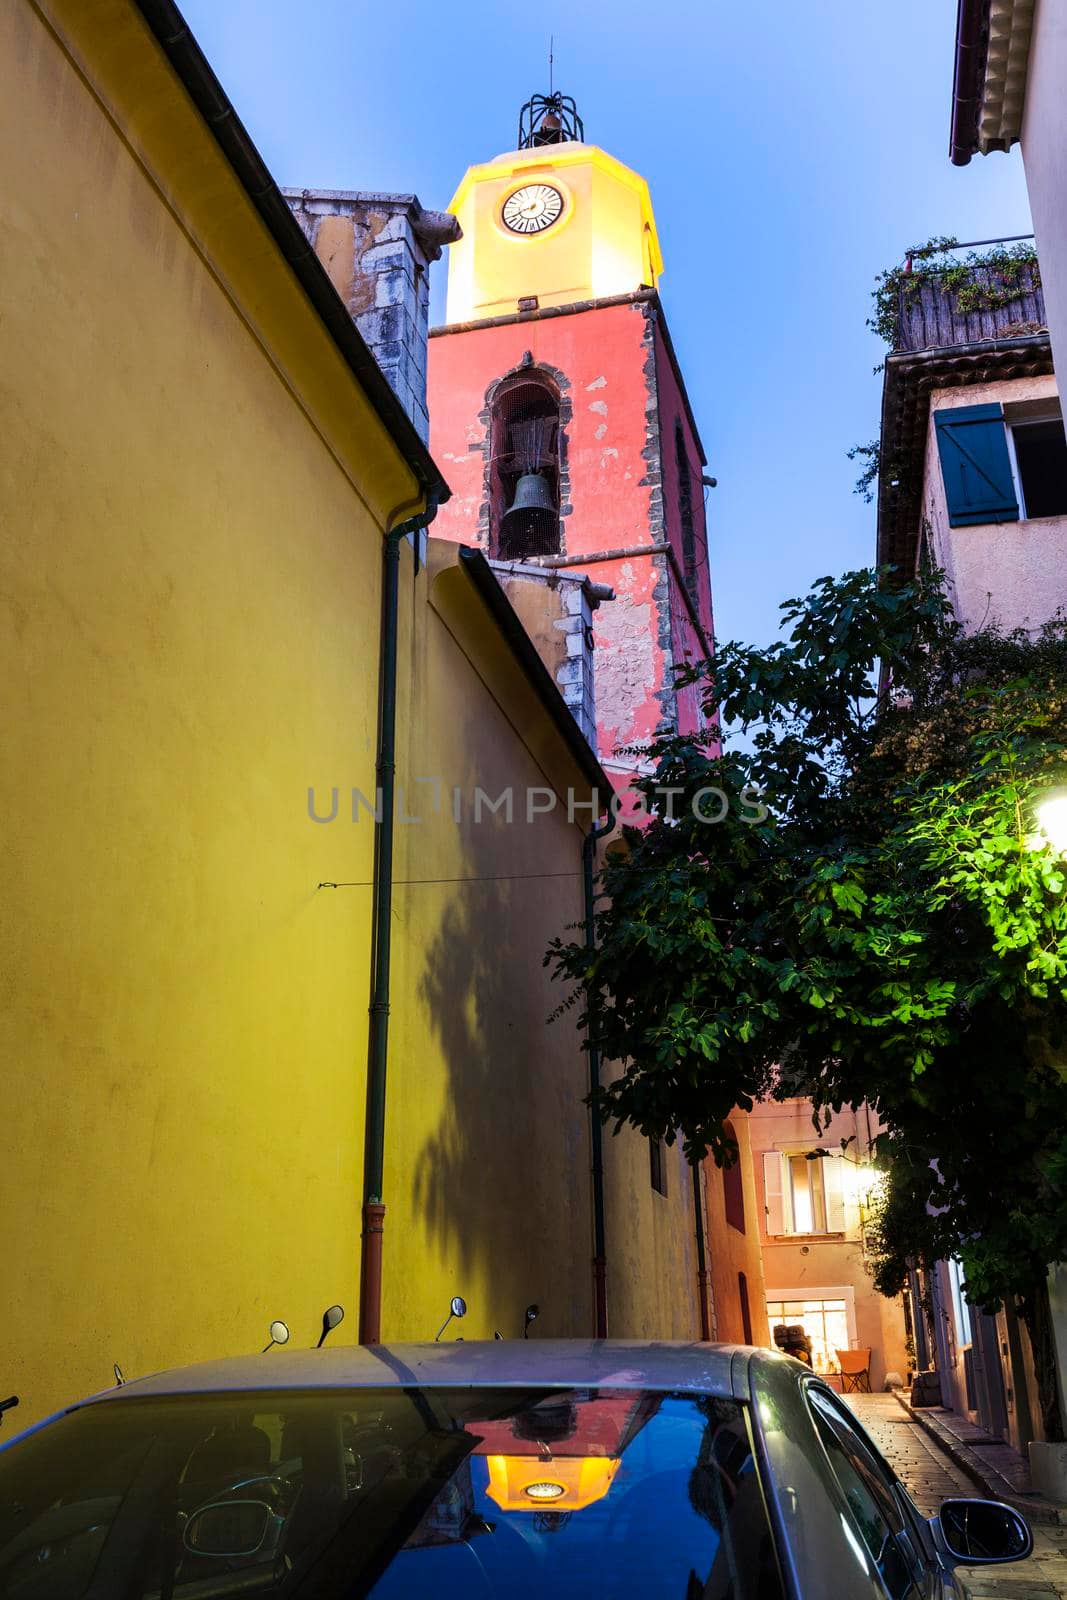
(973, 480)
(973, 455)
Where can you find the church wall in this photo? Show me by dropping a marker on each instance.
(604, 364)
(687, 645)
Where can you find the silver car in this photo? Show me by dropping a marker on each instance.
(555, 1469)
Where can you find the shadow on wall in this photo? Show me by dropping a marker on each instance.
(502, 1183)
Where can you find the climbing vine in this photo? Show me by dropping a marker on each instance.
(869, 454)
(1008, 272)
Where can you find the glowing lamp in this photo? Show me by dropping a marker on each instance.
(518, 1483)
(545, 1491)
(1051, 813)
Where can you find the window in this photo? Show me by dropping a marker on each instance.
(825, 1323)
(746, 1313)
(867, 1485)
(685, 509)
(568, 1493)
(524, 469)
(961, 1311)
(1001, 463)
(733, 1189)
(1041, 466)
(804, 1193)
(657, 1166)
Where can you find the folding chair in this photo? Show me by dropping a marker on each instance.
(855, 1368)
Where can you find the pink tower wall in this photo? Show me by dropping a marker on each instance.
(620, 400)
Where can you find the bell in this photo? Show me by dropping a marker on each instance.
(550, 130)
(530, 525)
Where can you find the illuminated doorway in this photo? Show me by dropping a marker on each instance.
(828, 1318)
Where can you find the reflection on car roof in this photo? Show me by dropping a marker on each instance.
(609, 1363)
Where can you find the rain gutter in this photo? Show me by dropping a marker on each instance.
(702, 1256)
(370, 1266)
(967, 79)
(596, 1128)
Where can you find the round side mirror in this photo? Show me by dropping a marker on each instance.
(984, 1531)
(532, 1314)
(331, 1317)
(279, 1334)
(457, 1308)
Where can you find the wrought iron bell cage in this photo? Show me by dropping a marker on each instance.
(549, 119)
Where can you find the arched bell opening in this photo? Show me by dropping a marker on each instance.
(524, 469)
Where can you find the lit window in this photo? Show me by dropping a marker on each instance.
(804, 1194)
(961, 1311)
(825, 1325)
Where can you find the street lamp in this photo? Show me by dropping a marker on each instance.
(1051, 814)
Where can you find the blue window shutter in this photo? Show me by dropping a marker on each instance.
(975, 465)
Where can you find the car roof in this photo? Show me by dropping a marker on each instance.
(716, 1369)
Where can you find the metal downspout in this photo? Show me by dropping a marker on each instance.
(370, 1267)
(702, 1261)
(596, 1134)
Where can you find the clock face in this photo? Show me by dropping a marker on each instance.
(533, 208)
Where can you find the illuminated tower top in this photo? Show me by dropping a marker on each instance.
(554, 222)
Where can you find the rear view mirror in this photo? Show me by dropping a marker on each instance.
(227, 1528)
(977, 1531)
(457, 1308)
(332, 1318)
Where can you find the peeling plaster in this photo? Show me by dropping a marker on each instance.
(599, 406)
(597, 383)
(601, 430)
(625, 665)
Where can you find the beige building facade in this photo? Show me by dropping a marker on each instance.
(813, 1191)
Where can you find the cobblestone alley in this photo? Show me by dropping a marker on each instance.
(931, 1477)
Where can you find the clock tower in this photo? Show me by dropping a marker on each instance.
(559, 414)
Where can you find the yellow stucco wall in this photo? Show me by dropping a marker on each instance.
(487, 1181)
(194, 491)
(488, 1157)
(731, 1251)
(651, 1244)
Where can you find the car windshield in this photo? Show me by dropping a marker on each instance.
(389, 1492)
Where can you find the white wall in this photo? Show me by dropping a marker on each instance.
(1044, 146)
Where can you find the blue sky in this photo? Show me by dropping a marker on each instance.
(793, 151)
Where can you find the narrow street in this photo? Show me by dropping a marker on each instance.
(931, 1477)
